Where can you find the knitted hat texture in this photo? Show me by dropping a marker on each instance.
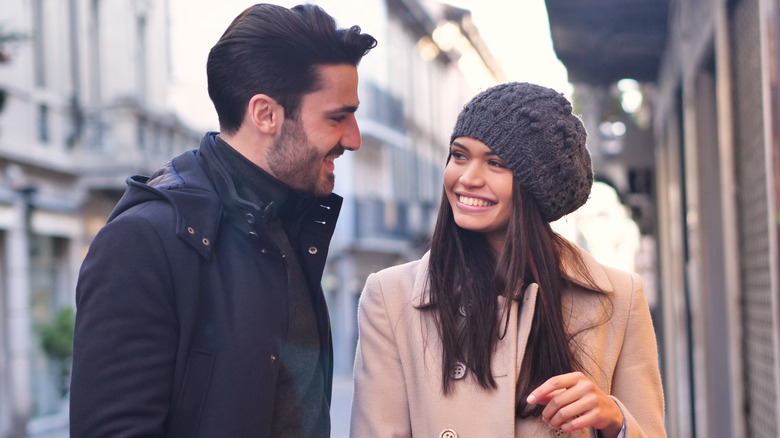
(533, 130)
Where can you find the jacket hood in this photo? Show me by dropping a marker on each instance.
(184, 185)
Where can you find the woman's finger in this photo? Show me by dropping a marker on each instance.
(552, 387)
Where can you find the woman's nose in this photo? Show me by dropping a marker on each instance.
(472, 175)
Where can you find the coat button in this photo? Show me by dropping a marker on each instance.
(465, 309)
(205, 241)
(558, 433)
(458, 371)
(448, 433)
(191, 230)
(312, 250)
(250, 218)
(273, 358)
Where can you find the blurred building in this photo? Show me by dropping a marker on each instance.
(86, 105)
(699, 164)
(430, 60)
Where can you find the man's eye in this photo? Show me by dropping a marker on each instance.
(338, 119)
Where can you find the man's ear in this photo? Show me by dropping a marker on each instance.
(265, 113)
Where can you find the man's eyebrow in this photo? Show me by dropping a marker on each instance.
(344, 109)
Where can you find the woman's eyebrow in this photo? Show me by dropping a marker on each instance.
(489, 153)
(460, 146)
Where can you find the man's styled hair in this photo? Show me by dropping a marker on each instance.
(274, 50)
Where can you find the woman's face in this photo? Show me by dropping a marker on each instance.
(479, 188)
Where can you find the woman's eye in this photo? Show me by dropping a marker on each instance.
(498, 164)
(457, 155)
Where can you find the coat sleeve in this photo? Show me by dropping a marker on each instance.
(636, 383)
(126, 334)
(380, 407)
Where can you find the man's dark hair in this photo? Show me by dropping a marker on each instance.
(274, 50)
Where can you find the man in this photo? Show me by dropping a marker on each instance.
(199, 306)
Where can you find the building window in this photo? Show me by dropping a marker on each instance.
(39, 48)
(43, 123)
(140, 136)
(141, 63)
(94, 41)
(49, 277)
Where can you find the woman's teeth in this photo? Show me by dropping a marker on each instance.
(474, 202)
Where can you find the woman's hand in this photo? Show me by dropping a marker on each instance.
(574, 402)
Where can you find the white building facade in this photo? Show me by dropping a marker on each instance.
(85, 106)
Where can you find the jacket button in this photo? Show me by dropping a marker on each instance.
(250, 219)
(458, 371)
(205, 241)
(191, 230)
(264, 251)
(448, 433)
(312, 250)
(273, 358)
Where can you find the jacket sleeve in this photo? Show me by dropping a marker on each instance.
(380, 406)
(636, 383)
(126, 334)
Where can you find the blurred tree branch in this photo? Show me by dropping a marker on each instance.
(7, 37)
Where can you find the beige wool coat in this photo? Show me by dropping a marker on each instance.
(398, 388)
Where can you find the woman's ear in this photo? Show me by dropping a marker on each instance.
(265, 113)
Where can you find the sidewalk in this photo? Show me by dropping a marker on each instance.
(339, 412)
(341, 406)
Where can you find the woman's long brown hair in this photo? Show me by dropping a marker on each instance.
(463, 271)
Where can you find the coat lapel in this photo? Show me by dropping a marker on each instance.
(598, 281)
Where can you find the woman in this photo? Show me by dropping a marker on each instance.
(504, 328)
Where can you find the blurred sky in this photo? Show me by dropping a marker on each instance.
(517, 33)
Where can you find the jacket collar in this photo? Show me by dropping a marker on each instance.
(245, 186)
(187, 185)
(252, 197)
(600, 280)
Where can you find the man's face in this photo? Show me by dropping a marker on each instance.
(302, 156)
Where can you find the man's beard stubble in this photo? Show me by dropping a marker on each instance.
(298, 164)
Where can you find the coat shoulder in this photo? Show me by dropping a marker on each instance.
(398, 286)
(409, 276)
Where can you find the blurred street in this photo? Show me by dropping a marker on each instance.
(340, 409)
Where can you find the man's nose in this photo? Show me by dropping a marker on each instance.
(350, 139)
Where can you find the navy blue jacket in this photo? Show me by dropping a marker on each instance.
(182, 308)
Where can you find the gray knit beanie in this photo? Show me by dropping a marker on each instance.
(533, 130)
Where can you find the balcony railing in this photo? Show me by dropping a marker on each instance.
(392, 220)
